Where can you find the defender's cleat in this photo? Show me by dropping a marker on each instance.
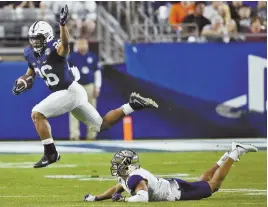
(138, 102)
(47, 160)
(243, 148)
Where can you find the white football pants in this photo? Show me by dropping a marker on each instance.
(74, 126)
(74, 100)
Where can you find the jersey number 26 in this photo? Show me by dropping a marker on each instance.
(51, 78)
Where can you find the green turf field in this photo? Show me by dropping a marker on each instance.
(28, 187)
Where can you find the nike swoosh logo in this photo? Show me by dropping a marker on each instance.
(135, 101)
(44, 162)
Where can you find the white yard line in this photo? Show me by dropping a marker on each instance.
(101, 146)
(260, 193)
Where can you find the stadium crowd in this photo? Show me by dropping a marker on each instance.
(213, 19)
(82, 22)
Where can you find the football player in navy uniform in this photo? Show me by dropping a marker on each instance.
(46, 58)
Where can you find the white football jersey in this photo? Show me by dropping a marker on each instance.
(159, 189)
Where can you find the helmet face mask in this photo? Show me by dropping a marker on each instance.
(37, 42)
(124, 162)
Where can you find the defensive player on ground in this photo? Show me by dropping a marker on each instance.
(46, 57)
(143, 186)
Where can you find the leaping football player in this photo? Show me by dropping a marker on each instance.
(143, 186)
(46, 58)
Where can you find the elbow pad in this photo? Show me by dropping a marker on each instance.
(141, 196)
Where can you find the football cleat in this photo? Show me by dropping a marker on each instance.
(138, 102)
(243, 148)
(47, 160)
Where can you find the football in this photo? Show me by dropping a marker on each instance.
(25, 81)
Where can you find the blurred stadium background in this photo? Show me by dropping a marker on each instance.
(204, 63)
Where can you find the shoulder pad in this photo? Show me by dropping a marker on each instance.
(27, 52)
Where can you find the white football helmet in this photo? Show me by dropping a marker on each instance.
(40, 33)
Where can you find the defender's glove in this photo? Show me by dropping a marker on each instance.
(89, 198)
(64, 15)
(118, 197)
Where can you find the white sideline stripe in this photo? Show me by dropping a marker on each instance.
(105, 177)
(166, 145)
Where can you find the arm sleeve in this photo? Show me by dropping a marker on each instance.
(133, 181)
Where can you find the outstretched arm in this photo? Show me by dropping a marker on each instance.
(106, 195)
(64, 48)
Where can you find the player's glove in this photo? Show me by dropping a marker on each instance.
(64, 15)
(118, 197)
(18, 88)
(89, 198)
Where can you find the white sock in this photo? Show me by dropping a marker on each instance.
(234, 155)
(220, 163)
(47, 141)
(127, 109)
(222, 160)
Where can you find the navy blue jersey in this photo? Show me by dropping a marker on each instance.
(51, 67)
(87, 65)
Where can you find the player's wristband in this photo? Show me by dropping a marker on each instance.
(96, 198)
